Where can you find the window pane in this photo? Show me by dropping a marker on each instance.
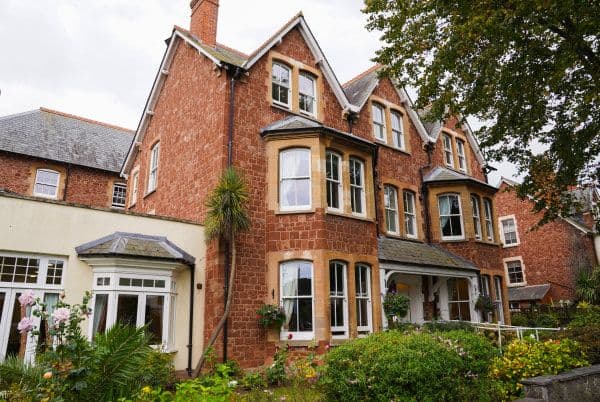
(362, 313)
(127, 307)
(100, 312)
(154, 317)
(306, 85)
(16, 342)
(305, 314)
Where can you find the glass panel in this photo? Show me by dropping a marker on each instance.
(100, 311)
(127, 307)
(362, 317)
(305, 314)
(2, 301)
(304, 280)
(154, 317)
(16, 341)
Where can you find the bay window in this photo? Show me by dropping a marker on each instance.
(296, 290)
(307, 93)
(476, 216)
(357, 186)
(333, 178)
(379, 129)
(294, 179)
(397, 130)
(390, 200)
(489, 226)
(362, 280)
(450, 217)
(338, 299)
(46, 183)
(410, 214)
(281, 84)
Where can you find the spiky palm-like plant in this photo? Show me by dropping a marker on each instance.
(227, 215)
(588, 286)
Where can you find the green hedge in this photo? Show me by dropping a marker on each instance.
(449, 366)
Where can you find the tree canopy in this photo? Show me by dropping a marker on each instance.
(529, 69)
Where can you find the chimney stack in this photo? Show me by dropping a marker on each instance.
(205, 14)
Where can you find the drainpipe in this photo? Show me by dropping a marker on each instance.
(235, 75)
(425, 191)
(66, 181)
(191, 321)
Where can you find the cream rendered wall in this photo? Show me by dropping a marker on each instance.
(50, 228)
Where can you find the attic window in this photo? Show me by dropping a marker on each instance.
(46, 183)
(448, 153)
(280, 81)
(379, 122)
(118, 197)
(307, 91)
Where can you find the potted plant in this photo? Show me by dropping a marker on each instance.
(270, 316)
(485, 304)
(395, 305)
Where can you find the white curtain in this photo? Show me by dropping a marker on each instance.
(289, 288)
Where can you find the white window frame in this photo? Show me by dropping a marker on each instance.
(153, 167)
(506, 261)
(38, 181)
(113, 289)
(369, 327)
(280, 84)
(124, 203)
(298, 335)
(462, 226)
(448, 151)
(408, 215)
(476, 210)
(501, 221)
(359, 188)
(379, 124)
(390, 196)
(460, 302)
(398, 132)
(313, 79)
(498, 298)
(135, 175)
(343, 296)
(485, 283)
(489, 219)
(333, 182)
(460, 152)
(283, 178)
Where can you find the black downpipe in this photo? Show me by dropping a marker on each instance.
(191, 320)
(237, 73)
(425, 191)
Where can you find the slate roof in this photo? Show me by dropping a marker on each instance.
(414, 253)
(120, 244)
(60, 137)
(443, 175)
(533, 292)
(359, 88)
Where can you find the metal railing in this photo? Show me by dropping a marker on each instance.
(512, 328)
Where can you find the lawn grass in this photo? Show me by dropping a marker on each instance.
(289, 394)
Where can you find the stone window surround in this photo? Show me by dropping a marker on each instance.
(135, 185)
(388, 108)
(454, 136)
(149, 188)
(296, 67)
(505, 262)
(401, 187)
(501, 230)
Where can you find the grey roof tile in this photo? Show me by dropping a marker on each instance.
(442, 174)
(414, 253)
(359, 89)
(64, 138)
(533, 292)
(135, 245)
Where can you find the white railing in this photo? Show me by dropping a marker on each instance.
(512, 328)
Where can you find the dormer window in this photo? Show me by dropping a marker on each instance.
(460, 152)
(281, 79)
(448, 153)
(46, 183)
(397, 130)
(307, 93)
(379, 130)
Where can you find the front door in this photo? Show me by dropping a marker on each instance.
(11, 312)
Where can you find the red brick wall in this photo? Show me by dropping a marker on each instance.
(552, 254)
(83, 186)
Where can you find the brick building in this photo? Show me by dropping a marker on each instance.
(54, 155)
(351, 194)
(541, 265)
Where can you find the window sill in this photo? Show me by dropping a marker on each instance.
(511, 245)
(48, 197)
(516, 285)
(401, 237)
(462, 240)
(295, 212)
(351, 216)
(149, 193)
(296, 343)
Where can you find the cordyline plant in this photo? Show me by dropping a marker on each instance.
(227, 216)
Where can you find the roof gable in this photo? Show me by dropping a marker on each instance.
(61, 137)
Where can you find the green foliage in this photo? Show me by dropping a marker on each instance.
(536, 319)
(392, 365)
(528, 358)
(226, 207)
(275, 373)
(588, 338)
(289, 394)
(529, 69)
(587, 286)
(485, 304)
(519, 320)
(270, 316)
(586, 316)
(395, 305)
(16, 375)
(217, 386)
(445, 326)
(253, 381)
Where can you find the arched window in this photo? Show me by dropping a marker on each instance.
(362, 280)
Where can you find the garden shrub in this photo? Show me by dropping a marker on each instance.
(588, 339)
(444, 326)
(275, 373)
(392, 365)
(253, 380)
(529, 358)
(519, 320)
(586, 316)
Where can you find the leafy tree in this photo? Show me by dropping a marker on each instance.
(227, 216)
(529, 68)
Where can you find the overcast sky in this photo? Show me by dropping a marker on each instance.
(98, 58)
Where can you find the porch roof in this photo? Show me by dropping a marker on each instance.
(533, 292)
(406, 252)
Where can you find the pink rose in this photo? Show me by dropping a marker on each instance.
(290, 336)
(25, 325)
(61, 315)
(27, 298)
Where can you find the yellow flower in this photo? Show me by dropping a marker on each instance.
(146, 390)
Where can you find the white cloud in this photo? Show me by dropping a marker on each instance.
(98, 58)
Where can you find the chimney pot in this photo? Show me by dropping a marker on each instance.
(205, 15)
